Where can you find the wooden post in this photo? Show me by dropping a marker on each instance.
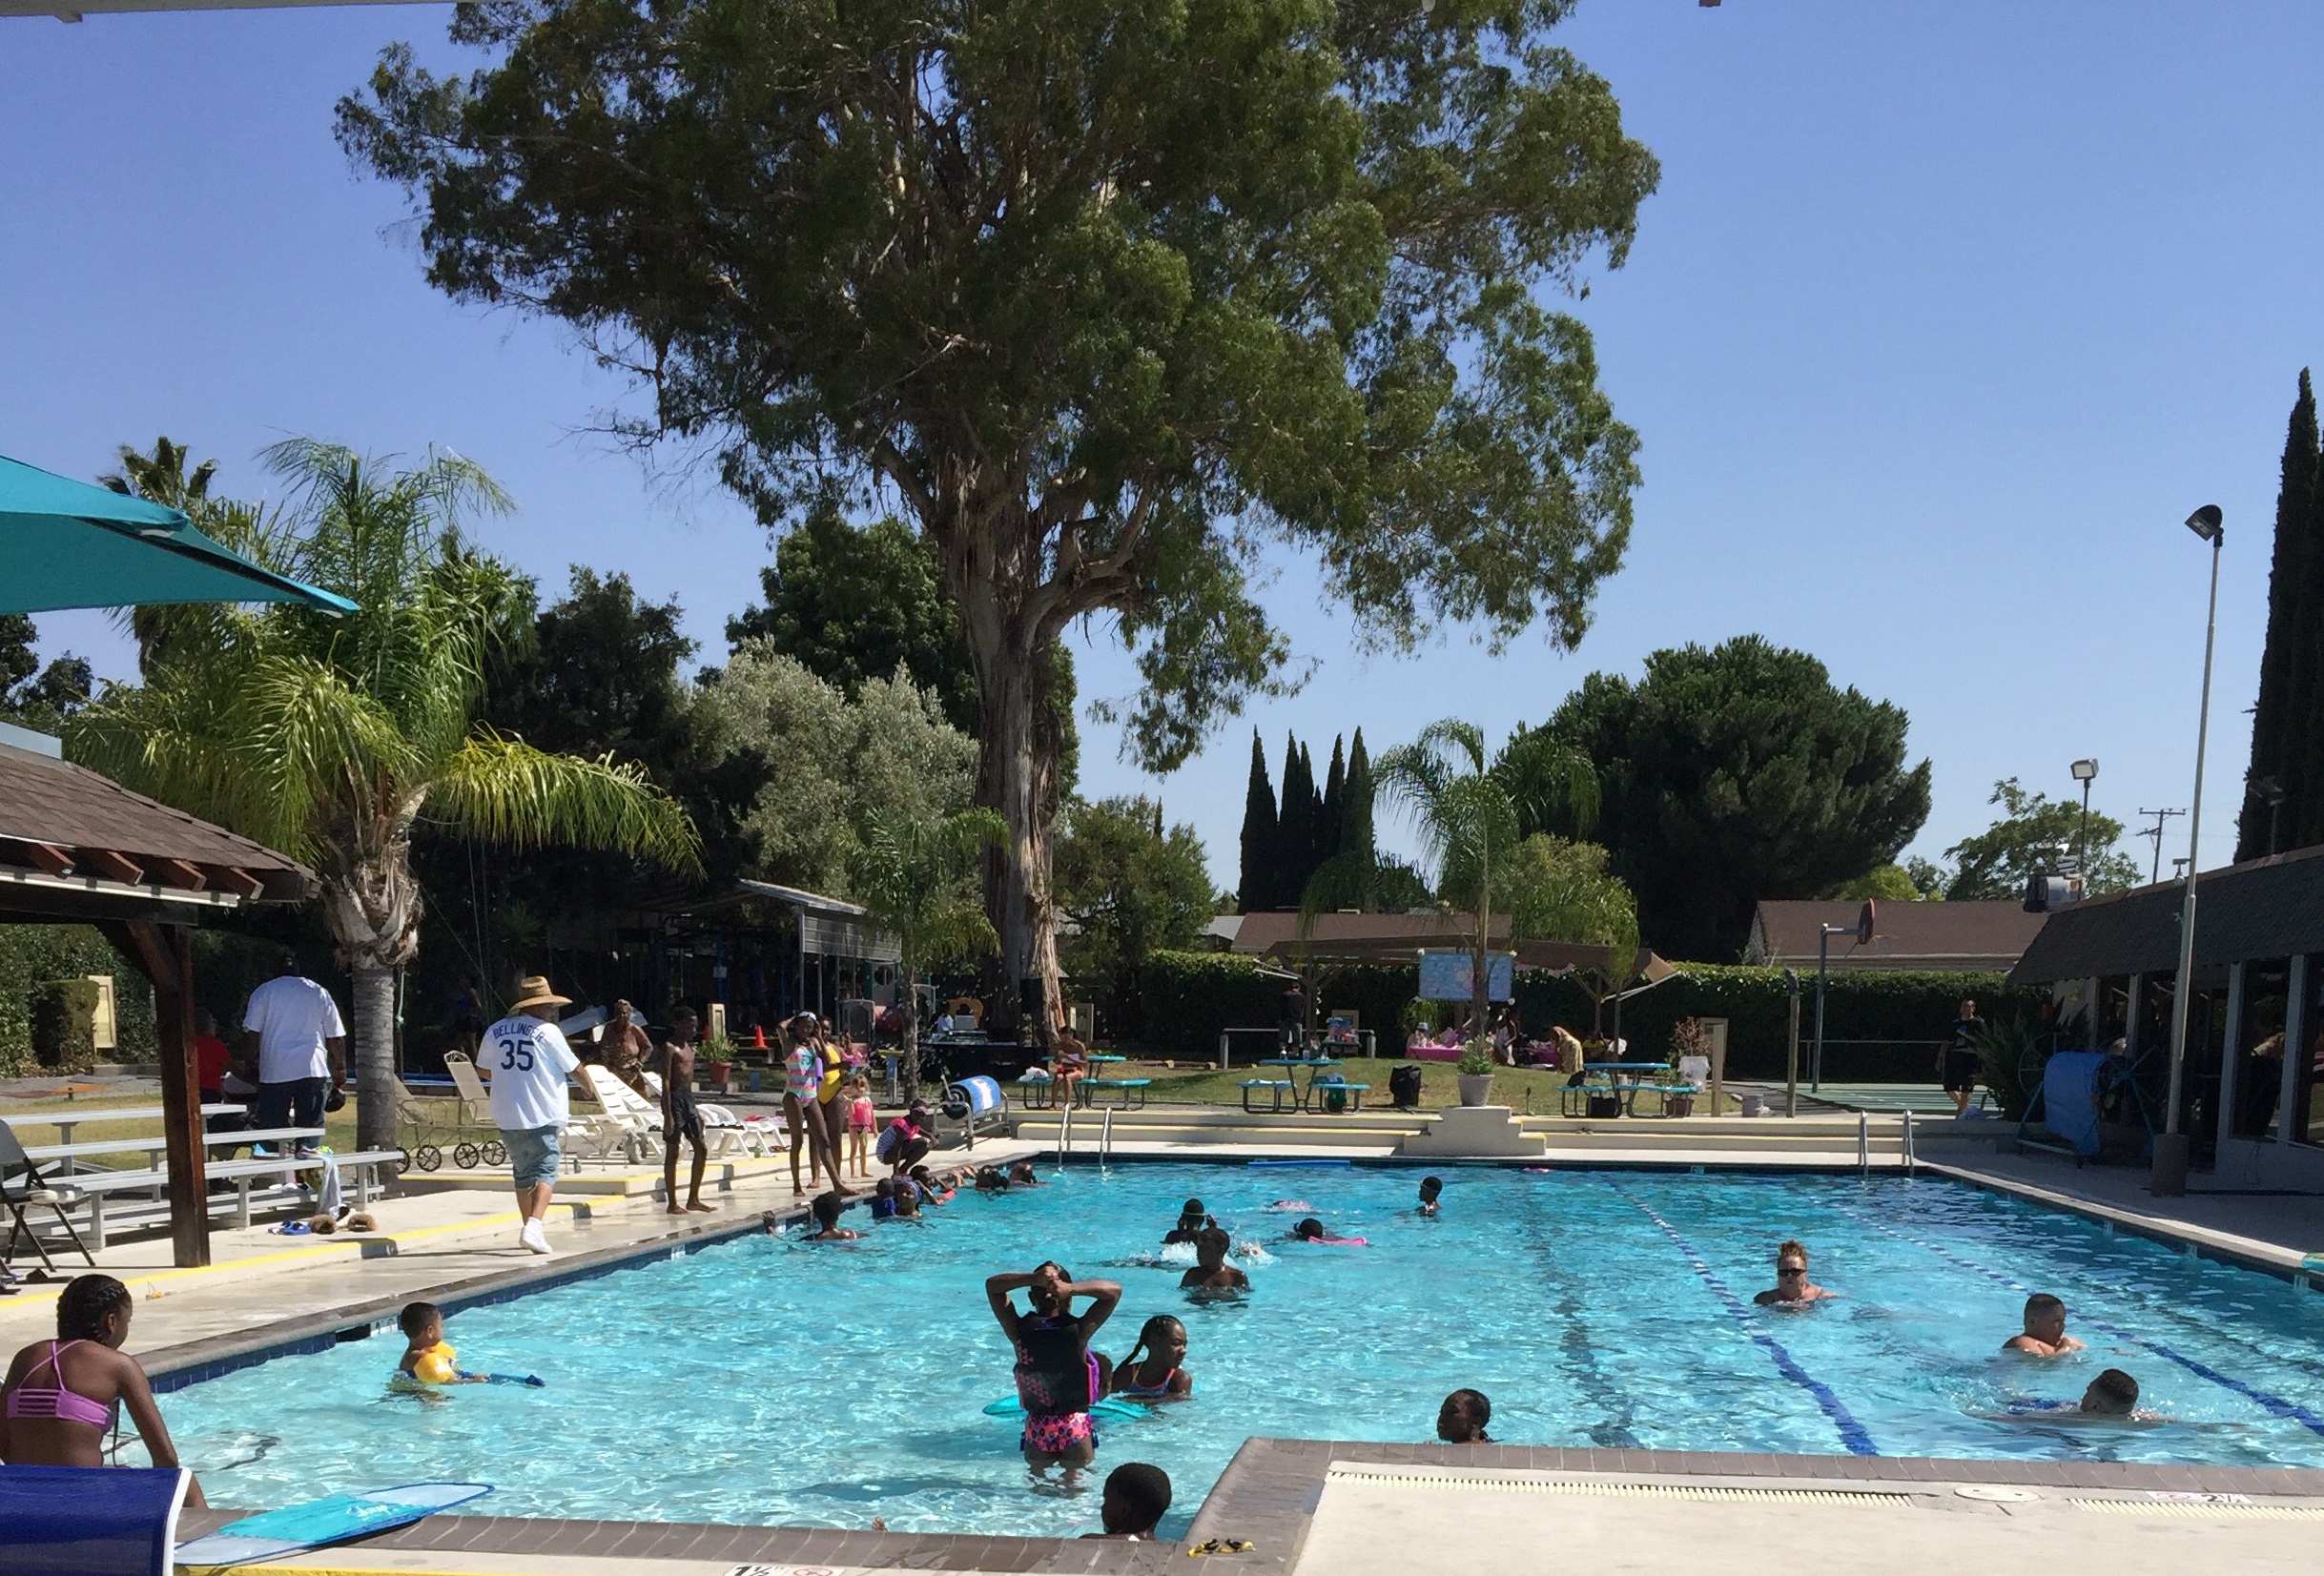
(164, 953)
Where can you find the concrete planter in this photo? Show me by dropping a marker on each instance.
(1477, 1088)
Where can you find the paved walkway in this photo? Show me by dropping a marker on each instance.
(2287, 1232)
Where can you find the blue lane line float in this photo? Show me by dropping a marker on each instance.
(1852, 1433)
(1287, 1165)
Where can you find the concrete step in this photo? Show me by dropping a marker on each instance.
(1639, 1138)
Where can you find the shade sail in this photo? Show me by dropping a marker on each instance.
(66, 543)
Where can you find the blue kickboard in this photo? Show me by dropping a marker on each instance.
(321, 1522)
(1105, 1407)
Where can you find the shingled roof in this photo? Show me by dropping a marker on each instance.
(2261, 908)
(1906, 936)
(74, 844)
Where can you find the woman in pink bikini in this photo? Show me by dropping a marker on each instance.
(61, 1395)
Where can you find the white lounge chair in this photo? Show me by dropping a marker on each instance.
(638, 1122)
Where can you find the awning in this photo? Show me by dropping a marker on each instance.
(66, 543)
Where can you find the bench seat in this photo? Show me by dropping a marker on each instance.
(1277, 1088)
(97, 1189)
(1133, 1091)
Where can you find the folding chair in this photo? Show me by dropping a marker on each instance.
(27, 1189)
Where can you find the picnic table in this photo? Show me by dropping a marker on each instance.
(1303, 1096)
(65, 1121)
(1625, 1080)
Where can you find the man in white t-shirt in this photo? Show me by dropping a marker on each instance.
(293, 1031)
(529, 1063)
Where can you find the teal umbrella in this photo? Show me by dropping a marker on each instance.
(65, 543)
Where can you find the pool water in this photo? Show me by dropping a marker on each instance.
(767, 1380)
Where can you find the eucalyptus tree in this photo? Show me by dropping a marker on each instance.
(1113, 303)
(329, 738)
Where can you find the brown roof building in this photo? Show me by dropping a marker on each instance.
(1906, 936)
(75, 845)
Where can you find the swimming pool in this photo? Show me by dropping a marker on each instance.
(760, 1381)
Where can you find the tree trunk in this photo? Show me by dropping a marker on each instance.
(1016, 777)
(912, 1030)
(371, 1053)
(371, 907)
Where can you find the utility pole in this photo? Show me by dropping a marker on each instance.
(2155, 834)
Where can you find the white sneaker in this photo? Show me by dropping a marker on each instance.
(535, 1236)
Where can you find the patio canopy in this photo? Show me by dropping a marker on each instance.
(66, 543)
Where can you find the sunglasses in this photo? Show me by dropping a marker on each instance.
(1783, 1270)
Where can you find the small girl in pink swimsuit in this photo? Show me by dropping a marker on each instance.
(61, 1395)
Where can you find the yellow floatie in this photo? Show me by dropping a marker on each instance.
(439, 1364)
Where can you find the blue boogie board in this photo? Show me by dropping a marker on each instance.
(318, 1523)
(1119, 1407)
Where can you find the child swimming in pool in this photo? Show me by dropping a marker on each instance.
(2112, 1397)
(1462, 1419)
(1212, 1276)
(1431, 1188)
(1190, 1219)
(1157, 1376)
(1020, 1174)
(1311, 1230)
(1058, 1380)
(428, 1359)
(2045, 1334)
(828, 1229)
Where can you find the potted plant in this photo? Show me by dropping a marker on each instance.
(1475, 1071)
(716, 1061)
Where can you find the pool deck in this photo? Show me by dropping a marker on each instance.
(1310, 1508)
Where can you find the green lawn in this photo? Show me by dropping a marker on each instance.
(1526, 1090)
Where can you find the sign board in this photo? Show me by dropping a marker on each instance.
(1445, 977)
(103, 1036)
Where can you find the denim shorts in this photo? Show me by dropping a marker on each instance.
(532, 1154)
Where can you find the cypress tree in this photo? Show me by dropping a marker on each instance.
(1315, 828)
(1334, 806)
(1356, 806)
(2283, 725)
(1293, 825)
(1255, 890)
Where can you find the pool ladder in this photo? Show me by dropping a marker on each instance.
(1064, 1138)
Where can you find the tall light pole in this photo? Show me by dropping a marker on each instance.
(2169, 1179)
(2084, 772)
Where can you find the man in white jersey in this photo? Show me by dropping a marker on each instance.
(529, 1063)
(293, 1031)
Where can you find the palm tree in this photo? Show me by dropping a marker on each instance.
(1469, 811)
(329, 737)
(917, 878)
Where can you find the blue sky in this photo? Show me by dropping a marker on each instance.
(1944, 319)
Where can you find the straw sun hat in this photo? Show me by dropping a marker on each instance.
(532, 990)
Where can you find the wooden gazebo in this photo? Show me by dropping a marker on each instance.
(77, 848)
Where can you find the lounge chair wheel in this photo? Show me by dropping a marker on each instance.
(465, 1156)
(428, 1158)
(496, 1153)
(404, 1159)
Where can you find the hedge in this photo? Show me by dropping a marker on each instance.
(1191, 997)
(32, 959)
